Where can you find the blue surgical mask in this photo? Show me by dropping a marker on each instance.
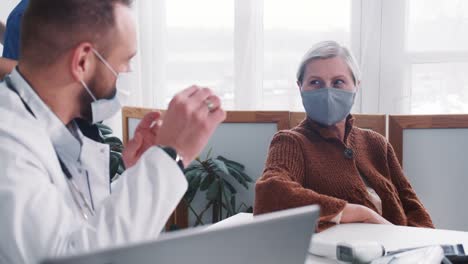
(328, 106)
(103, 109)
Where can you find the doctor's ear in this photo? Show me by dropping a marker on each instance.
(82, 57)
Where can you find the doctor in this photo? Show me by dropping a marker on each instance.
(55, 197)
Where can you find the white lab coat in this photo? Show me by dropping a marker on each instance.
(38, 217)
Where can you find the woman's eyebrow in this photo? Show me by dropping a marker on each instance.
(314, 77)
(340, 76)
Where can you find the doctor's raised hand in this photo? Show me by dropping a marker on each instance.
(190, 120)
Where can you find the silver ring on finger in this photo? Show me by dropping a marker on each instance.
(210, 105)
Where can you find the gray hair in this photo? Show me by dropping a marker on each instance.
(327, 50)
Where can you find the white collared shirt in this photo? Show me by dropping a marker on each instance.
(39, 217)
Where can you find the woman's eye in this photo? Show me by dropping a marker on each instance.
(315, 82)
(339, 83)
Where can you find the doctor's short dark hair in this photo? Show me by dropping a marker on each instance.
(52, 27)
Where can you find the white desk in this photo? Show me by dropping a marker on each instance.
(391, 237)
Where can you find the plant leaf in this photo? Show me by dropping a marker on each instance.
(239, 178)
(206, 182)
(221, 166)
(227, 202)
(230, 187)
(233, 202)
(193, 167)
(103, 129)
(195, 181)
(213, 191)
(191, 173)
(193, 188)
(113, 140)
(246, 177)
(121, 169)
(232, 163)
(114, 163)
(208, 155)
(116, 147)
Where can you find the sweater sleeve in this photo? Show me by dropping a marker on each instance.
(280, 186)
(415, 212)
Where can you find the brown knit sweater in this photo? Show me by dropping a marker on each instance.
(307, 165)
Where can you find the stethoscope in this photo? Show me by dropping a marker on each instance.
(77, 195)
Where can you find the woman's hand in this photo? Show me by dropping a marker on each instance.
(356, 213)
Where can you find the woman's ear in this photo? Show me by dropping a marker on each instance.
(358, 86)
(299, 84)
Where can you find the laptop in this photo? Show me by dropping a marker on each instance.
(279, 237)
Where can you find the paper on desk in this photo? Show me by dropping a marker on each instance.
(240, 218)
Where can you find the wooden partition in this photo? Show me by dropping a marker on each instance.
(398, 123)
(432, 151)
(129, 113)
(376, 123)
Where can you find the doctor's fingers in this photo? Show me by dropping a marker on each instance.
(155, 128)
(209, 115)
(130, 152)
(186, 108)
(209, 105)
(203, 102)
(134, 144)
(217, 116)
(186, 93)
(148, 121)
(201, 95)
(181, 99)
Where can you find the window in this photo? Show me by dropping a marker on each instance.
(200, 39)
(247, 51)
(434, 25)
(439, 88)
(412, 53)
(436, 30)
(290, 29)
(431, 64)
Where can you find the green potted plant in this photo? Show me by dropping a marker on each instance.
(213, 176)
(116, 163)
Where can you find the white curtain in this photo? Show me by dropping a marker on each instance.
(246, 51)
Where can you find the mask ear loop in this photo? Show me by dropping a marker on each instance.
(87, 89)
(124, 92)
(105, 62)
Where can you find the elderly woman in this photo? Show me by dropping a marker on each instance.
(352, 173)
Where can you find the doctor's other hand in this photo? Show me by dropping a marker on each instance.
(356, 213)
(146, 136)
(190, 120)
